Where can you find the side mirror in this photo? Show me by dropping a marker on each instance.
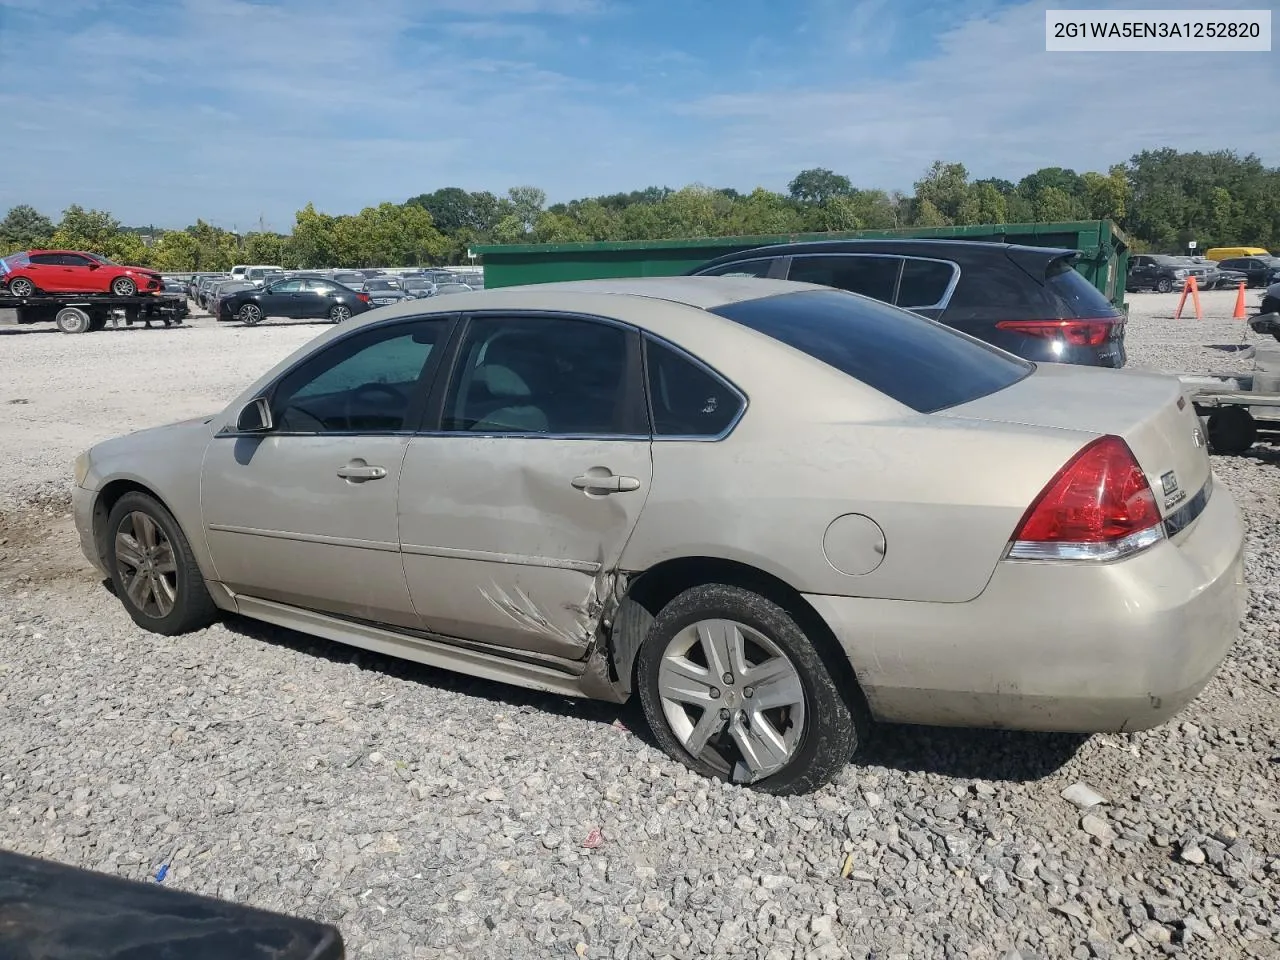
(1265, 323)
(255, 417)
(95, 266)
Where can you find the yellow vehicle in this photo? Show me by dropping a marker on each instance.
(1226, 253)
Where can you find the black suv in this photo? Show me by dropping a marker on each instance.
(1027, 300)
(1258, 271)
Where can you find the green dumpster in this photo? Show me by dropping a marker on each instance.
(1104, 252)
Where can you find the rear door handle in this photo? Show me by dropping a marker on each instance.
(608, 483)
(357, 471)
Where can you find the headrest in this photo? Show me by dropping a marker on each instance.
(503, 382)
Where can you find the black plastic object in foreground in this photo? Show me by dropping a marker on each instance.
(50, 911)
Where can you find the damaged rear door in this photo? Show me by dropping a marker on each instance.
(516, 505)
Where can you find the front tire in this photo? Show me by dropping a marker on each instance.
(21, 287)
(250, 315)
(734, 689)
(123, 287)
(153, 569)
(339, 312)
(1164, 285)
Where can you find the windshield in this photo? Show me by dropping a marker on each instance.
(417, 285)
(918, 362)
(381, 285)
(101, 259)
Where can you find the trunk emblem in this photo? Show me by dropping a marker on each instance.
(1172, 495)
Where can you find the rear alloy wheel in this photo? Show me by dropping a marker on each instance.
(153, 570)
(250, 314)
(1164, 285)
(123, 287)
(733, 688)
(21, 287)
(339, 312)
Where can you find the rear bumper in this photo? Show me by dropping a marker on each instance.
(1053, 646)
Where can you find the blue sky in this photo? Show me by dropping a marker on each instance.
(242, 111)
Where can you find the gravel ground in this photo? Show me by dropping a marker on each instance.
(433, 815)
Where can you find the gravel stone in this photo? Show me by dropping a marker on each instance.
(433, 815)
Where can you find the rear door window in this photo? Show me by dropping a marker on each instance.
(924, 283)
(920, 363)
(871, 276)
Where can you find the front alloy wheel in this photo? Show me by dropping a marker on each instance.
(250, 314)
(152, 568)
(123, 287)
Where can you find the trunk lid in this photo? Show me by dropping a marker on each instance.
(1148, 410)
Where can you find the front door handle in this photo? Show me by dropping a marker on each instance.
(357, 471)
(605, 483)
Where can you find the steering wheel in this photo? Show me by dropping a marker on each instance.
(386, 389)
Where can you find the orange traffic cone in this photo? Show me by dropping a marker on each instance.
(1238, 313)
(1189, 286)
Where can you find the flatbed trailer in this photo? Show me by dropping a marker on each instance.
(85, 312)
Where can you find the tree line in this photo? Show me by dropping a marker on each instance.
(1162, 198)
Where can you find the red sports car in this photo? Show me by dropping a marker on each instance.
(70, 271)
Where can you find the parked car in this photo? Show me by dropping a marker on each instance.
(241, 270)
(349, 278)
(1271, 300)
(443, 289)
(1230, 253)
(227, 288)
(175, 293)
(383, 291)
(418, 287)
(261, 276)
(773, 511)
(1027, 300)
(294, 299)
(1258, 271)
(1216, 278)
(198, 283)
(71, 271)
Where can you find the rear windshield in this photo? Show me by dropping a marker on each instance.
(916, 361)
(1079, 298)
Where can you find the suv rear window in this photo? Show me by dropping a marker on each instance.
(1080, 298)
(918, 362)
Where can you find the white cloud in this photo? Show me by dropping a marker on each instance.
(994, 99)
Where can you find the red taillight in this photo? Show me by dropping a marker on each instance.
(1098, 507)
(1079, 333)
(362, 297)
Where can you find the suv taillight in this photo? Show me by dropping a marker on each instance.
(1090, 332)
(1098, 507)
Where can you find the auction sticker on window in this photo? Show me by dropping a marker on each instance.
(1158, 31)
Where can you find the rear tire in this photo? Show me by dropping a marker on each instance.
(21, 287)
(73, 320)
(153, 569)
(800, 740)
(339, 312)
(123, 287)
(1232, 431)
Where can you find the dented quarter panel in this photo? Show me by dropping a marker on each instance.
(500, 547)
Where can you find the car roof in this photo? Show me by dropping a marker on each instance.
(592, 296)
(952, 249)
